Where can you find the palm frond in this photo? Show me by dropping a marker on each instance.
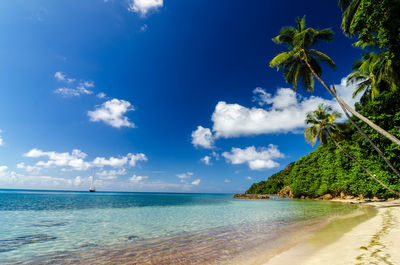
(280, 59)
(324, 58)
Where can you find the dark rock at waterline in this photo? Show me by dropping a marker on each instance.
(251, 196)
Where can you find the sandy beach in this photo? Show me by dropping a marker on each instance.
(374, 241)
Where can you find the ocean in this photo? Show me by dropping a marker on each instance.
(66, 227)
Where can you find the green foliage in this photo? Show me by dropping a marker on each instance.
(300, 41)
(376, 24)
(328, 170)
(273, 185)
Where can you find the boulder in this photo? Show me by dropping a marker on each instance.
(251, 196)
(327, 197)
(286, 192)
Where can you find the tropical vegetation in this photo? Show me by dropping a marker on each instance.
(376, 76)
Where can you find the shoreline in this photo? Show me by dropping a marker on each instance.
(371, 241)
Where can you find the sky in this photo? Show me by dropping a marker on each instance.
(154, 95)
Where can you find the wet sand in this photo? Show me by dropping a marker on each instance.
(373, 238)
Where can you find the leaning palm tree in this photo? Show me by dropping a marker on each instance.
(323, 126)
(302, 63)
(373, 74)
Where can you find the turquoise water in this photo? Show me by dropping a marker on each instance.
(50, 227)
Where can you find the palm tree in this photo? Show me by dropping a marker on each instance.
(373, 74)
(323, 126)
(302, 62)
(350, 8)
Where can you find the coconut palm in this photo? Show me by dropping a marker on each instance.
(373, 74)
(323, 126)
(350, 8)
(302, 63)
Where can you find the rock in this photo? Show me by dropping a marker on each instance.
(327, 197)
(251, 196)
(286, 192)
(365, 248)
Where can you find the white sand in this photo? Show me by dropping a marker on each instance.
(375, 241)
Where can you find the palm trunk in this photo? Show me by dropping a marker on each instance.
(363, 167)
(355, 113)
(343, 105)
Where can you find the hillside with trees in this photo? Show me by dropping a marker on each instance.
(362, 157)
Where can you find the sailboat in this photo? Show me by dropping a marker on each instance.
(92, 189)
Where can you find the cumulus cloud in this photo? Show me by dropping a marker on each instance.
(112, 112)
(133, 158)
(282, 112)
(227, 180)
(206, 160)
(185, 175)
(256, 159)
(76, 161)
(202, 137)
(249, 178)
(144, 6)
(196, 182)
(137, 179)
(1, 139)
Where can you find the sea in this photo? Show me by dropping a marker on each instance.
(76, 227)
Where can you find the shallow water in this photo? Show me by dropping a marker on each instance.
(46, 227)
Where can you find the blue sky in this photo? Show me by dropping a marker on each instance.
(154, 95)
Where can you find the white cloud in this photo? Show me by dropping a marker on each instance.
(227, 180)
(203, 137)
(1, 139)
(76, 160)
(206, 160)
(135, 158)
(77, 181)
(249, 178)
(101, 95)
(112, 113)
(286, 114)
(27, 168)
(282, 112)
(112, 161)
(111, 174)
(144, 6)
(60, 76)
(82, 88)
(11, 179)
(256, 159)
(185, 175)
(137, 179)
(196, 182)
